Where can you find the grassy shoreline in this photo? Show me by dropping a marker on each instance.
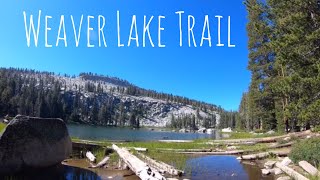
(2, 127)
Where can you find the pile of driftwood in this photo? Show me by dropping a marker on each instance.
(92, 158)
(147, 168)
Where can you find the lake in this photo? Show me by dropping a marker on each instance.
(222, 168)
(198, 168)
(143, 134)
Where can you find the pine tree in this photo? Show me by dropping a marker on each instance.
(260, 98)
(296, 44)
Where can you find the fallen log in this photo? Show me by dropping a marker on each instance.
(309, 168)
(215, 153)
(292, 173)
(254, 156)
(139, 149)
(249, 143)
(263, 155)
(90, 156)
(161, 166)
(85, 145)
(281, 145)
(185, 150)
(102, 163)
(176, 141)
(263, 140)
(140, 168)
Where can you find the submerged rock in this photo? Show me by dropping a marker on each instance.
(265, 172)
(31, 143)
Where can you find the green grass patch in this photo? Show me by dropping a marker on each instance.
(99, 153)
(2, 127)
(307, 150)
(256, 147)
(179, 161)
(114, 158)
(316, 129)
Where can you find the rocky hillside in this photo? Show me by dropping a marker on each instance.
(102, 100)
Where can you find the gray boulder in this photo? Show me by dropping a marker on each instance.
(32, 143)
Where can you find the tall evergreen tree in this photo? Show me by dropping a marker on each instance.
(259, 102)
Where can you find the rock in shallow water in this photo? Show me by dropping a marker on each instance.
(265, 171)
(33, 143)
(269, 164)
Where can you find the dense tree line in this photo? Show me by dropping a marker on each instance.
(130, 89)
(194, 121)
(43, 94)
(284, 60)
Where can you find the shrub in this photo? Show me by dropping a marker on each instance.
(316, 129)
(308, 150)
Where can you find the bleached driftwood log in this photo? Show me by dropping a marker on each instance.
(309, 168)
(101, 163)
(292, 173)
(264, 140)
(281, 145)
(185, 150)
(161, 166)
(216, 153)
(139, 149)
(248, 143)
(262, 155)
(254, 156)
(140, 168)
(90, 156)
(176, 141)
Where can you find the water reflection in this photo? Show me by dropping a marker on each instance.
(198, 168)
(143, 134)
(59, 172)
(221, 168)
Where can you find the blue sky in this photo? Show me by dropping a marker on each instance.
(216, 75)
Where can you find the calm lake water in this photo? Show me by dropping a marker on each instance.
(198, 168)
(222, 168)
(129, 134)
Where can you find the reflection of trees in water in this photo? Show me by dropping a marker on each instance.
(206, 167)
(221, 168)
(60, 172)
